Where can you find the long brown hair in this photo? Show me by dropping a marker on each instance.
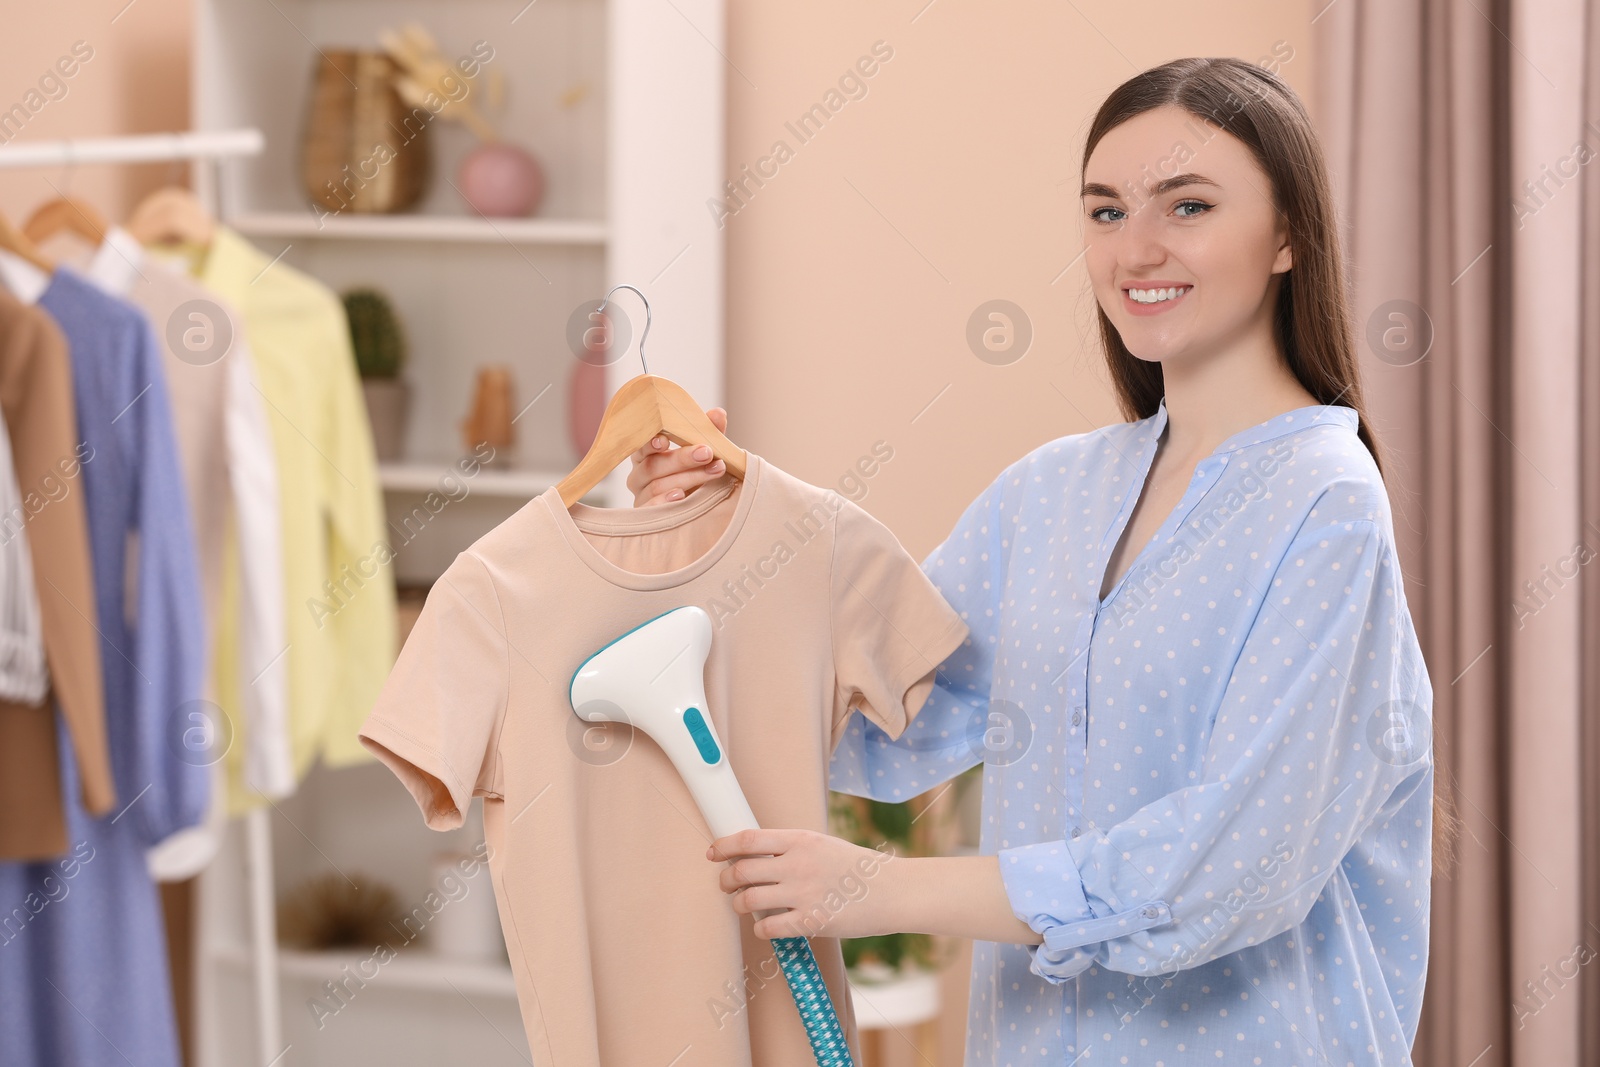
(1313, 321)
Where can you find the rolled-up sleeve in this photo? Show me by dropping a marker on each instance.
(1321, 735)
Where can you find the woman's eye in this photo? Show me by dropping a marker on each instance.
(1200, 206)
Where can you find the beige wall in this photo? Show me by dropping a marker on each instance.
(853, 270)
(136, 81)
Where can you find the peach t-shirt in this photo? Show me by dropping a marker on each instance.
(626, 952)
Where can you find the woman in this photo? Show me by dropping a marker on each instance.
(1191, 672)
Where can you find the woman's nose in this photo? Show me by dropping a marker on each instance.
(1140, 240)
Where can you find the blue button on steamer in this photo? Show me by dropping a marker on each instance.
(702, 735)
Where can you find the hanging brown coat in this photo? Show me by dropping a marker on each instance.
(37, 400)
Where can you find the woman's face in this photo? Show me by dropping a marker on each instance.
(1171, 202)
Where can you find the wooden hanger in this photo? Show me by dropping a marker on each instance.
(65, 213)
(646, 406)
(171, 215)
(16, 242)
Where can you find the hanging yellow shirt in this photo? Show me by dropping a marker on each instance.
(338, 583)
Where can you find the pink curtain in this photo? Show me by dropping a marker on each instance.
(1461, 135)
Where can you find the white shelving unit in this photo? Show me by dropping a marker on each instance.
(441, 228)
(411, 478)
(622, 102)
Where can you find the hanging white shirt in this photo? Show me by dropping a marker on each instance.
(24, 676)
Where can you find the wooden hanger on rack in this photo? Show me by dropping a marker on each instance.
(65, 213)
(172, 215)
(16, 242)
(646, 406)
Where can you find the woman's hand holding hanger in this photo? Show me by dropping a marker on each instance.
(663, 472)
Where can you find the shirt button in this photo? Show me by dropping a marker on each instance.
(1077, 717)
(1150, 913)
(1076, 831)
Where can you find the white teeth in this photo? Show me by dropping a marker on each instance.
(1156, 296)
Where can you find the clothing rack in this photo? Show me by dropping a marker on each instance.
(209, 146)
(139, 148)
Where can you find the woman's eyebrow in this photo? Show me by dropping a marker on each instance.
(1165, 185)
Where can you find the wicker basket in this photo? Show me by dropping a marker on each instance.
(364, 150)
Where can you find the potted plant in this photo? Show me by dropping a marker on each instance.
(380, 350)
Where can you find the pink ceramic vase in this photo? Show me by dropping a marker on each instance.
(501, 181)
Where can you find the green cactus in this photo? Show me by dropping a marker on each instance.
(375, 333)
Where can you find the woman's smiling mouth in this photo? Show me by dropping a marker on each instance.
(1153, 300)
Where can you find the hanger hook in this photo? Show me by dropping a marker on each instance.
(646, 333)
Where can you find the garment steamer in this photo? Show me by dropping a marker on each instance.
(652, 677)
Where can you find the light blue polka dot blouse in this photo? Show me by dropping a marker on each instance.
(1210, 793)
